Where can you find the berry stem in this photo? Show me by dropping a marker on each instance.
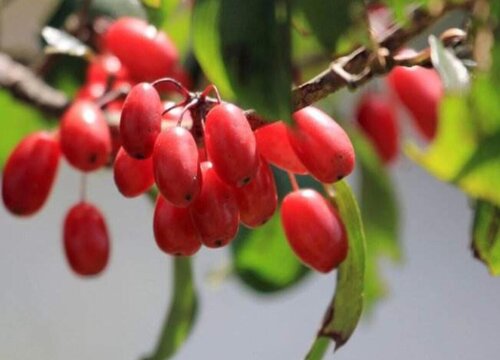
(83, 187)
(211, 88)
(180, 88)
(293, 181)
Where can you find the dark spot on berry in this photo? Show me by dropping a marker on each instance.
(218, 243)
(188, 197)
(340, 177)
(178, 254)
(245, 180)
(92, 158)
(139, 156)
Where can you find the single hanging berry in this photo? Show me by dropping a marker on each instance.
(132, 177)
(314, 230)
(140, 121)
(175, 232)
(147, 53)
(322, 145)
(420, 90)
(176, 166)
(377, 119)
(86, 239)
(29, 173)
(274, 146)
(84, 135)
(215, 210)
(258, 200)
(231, 144)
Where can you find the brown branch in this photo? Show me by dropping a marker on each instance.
(25, 85)
(364, 62)
(347, 71)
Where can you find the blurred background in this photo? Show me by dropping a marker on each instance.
(442, 303)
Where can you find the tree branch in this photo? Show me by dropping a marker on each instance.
(348, 71)
(365, 62)
(25, 85)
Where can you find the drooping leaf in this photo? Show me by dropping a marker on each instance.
(263, 260)
(245, 57)
(18, 120)
(328, 19)
(486, 235)
(344, 312)
(182, 313)
(380, 216)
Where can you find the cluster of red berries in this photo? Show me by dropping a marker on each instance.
(419, 90)
(208, 183)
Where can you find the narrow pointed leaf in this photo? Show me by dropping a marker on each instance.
(344, 312)
(244, 57)
(182, 313)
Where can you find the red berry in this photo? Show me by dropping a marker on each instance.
(103, 67)
(314, 230)
(132, 176)
(85, 137)
(231, 144)
(147, 53)
(322, 145)
(274, 146)
(86, 240)
(140, 121)
(176, 166)
(420, 90)
(29, 173)
(174, 229)
(257, 201)
(377, 119)
(91, 91)
(215, 210)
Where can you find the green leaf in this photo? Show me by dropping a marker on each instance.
(380, 217)
(159, 11)
(244, 48)
(182, 312)
(460, 154)
(378, 202)
(344, 312)
(18, 120)
(486, 235)
(263, 260)
(328, 19)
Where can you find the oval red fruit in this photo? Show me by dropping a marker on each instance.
(274, 146)
(420, 90)
(257, 201)
(231, 144)
(175, 232)
(29, 173)
(85, 137)
(147, 53)
(215, 210)
(176, 166)
(377, 119)
(86, 239)
(132, 177)
(314, 230)
(322, 145)
(140, 121)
